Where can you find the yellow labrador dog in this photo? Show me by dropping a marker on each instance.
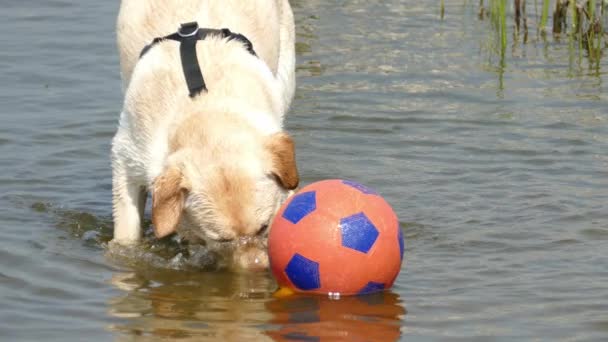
(215, 157)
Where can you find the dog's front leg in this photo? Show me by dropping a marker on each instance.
(129, 199)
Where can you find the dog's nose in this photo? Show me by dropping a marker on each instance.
(251, 259)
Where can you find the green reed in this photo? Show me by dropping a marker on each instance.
(579, 20)
(544, 15)
(498, 17)
(573, 16)
(502, 14)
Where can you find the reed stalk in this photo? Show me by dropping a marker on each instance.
(502, 13)
(544, 15)
(591, 8)
(573, 17)
(584, 25)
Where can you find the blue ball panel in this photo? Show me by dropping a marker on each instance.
(372, 287)
(300, 206)
(360, 187)
(358, 232)
(303, 272)
(401, 242)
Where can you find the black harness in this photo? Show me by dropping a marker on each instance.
(188, 35)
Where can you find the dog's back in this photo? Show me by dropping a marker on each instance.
(263, 22)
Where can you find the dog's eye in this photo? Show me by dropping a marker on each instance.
(263, 229)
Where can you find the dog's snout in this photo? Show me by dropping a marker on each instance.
(251, 256)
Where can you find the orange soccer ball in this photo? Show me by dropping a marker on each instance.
(336, 237)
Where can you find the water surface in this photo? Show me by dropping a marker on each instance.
(499, 175)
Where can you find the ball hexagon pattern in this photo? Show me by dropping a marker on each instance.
(401, 243)
(358, 232)
(300, 205)
(303, 272)
(372, 287)
(336, 236)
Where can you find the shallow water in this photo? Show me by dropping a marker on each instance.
(499, 176)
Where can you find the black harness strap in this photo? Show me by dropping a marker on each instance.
(192, 71)
(188, 35)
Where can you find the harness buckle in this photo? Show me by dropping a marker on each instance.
(188, 29)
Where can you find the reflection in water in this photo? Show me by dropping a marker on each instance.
(239, 306)
(375, 317)
(191, 306)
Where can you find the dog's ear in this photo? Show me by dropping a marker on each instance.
(168, 198)
(283, 159)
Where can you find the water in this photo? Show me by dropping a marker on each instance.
(498, 174)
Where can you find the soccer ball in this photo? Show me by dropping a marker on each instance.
(336, 237)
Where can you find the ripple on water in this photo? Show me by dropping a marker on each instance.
(595, 233)
(498, 175)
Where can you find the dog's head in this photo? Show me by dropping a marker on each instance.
(231, 195)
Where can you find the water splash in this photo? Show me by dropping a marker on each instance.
(172, 253)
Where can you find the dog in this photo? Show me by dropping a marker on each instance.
(217, 162)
